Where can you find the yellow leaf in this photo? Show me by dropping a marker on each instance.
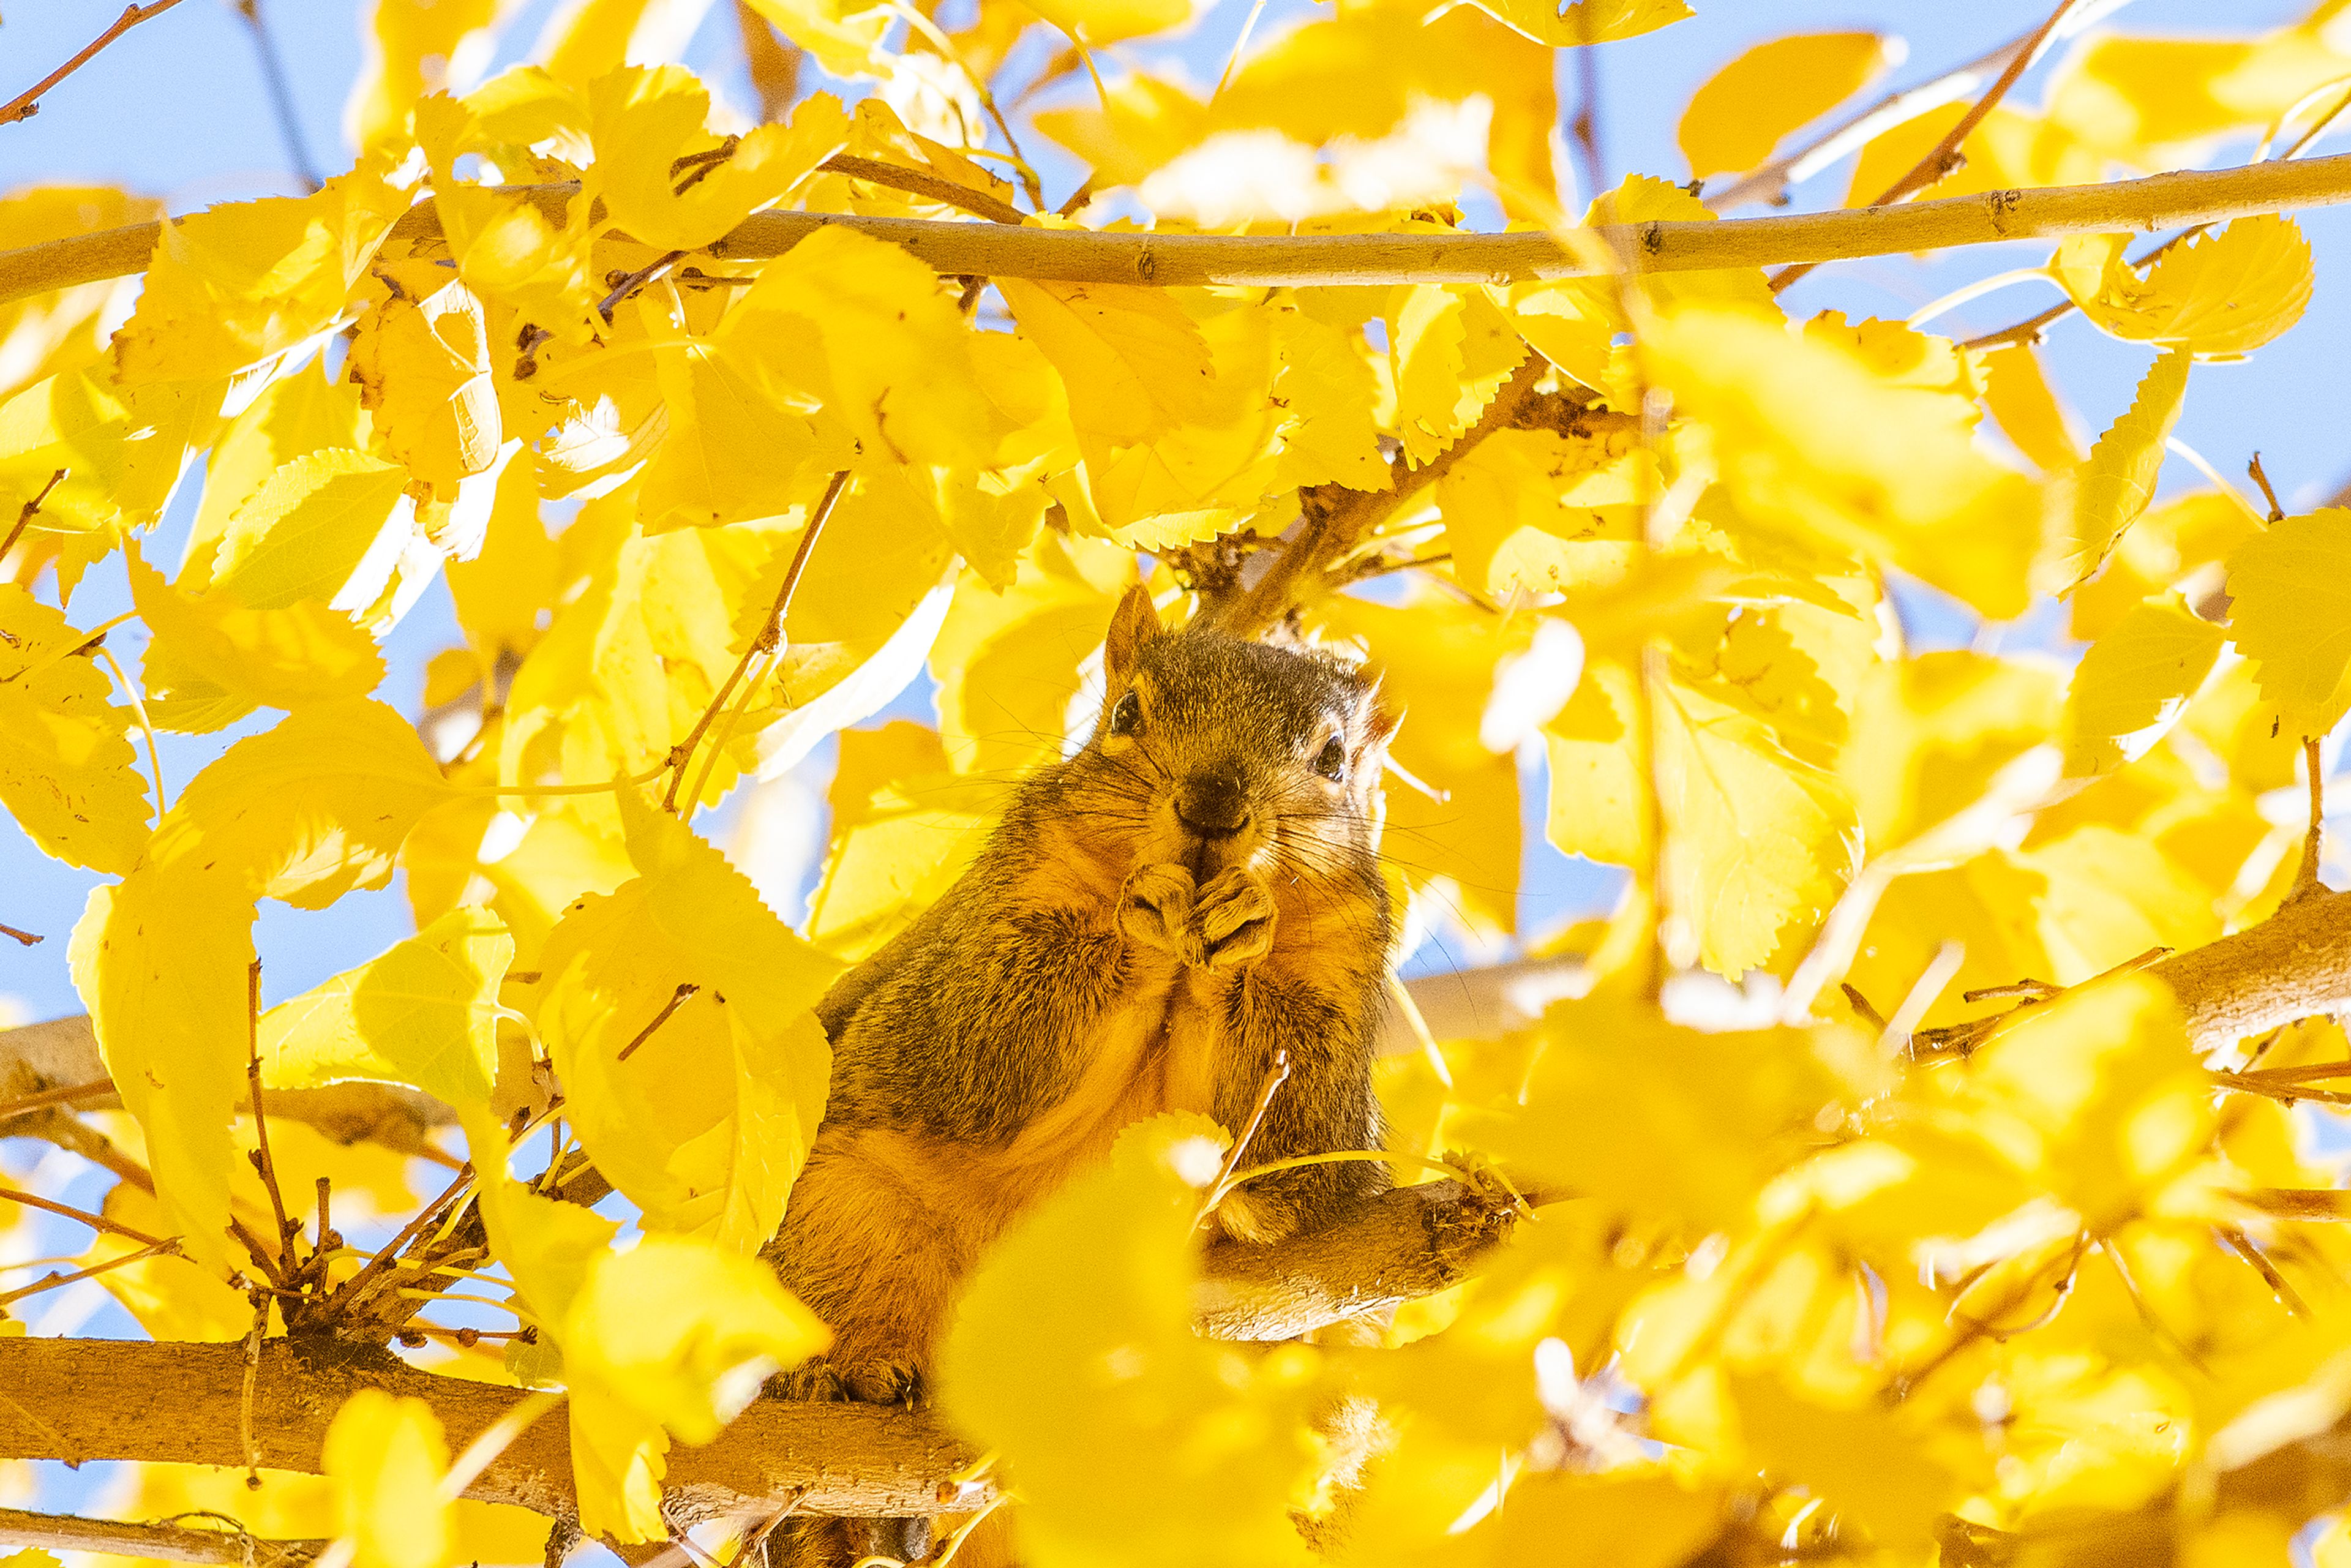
(1098, 21)
(1135, 363)
(2135, 682)
(2177, 543)
(734, 451)
(1564, 23)
(423, 1013)
(1879, 1466)
(1327, 390)
(2223, 293)
(2291, 616)
(1532, 510)
(845, 36)
(413, 45)
(387, 1457)
(234, 284)
(2098, 1095)
(686, 1333)
(1916, 495)
(1652, 1119)
(2027, 413)
(1438, 659)
(1134, 1440)
(1742, 110)
(1635, 1517)
(305, 813)
(2010, 149)
(64, 439)
(903, 828)
(1206, 475)
(646, 116)
(704, 1118)
(327, 526)
(1008, 663)
(294, 416)
(1599, 774)
(1758, 842)
(861, 327)
(1645, 198)
(423, 370)
(2159, 103)
(211, 661)
(1450, 349)
(67, 772)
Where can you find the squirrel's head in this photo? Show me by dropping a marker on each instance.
(1220, 750)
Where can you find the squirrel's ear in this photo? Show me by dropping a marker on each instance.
(1133, 627)
(1381, 715)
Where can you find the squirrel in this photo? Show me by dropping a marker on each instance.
(1191, 897)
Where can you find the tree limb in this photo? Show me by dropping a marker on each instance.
(2293, 964)
(1087, 255)
(153, 1542)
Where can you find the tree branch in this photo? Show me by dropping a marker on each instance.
(1087, 255)
(28, 103)
(2290, 966)
(153, 1542)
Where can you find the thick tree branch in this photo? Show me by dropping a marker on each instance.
(1085, 256)
(2290, 966)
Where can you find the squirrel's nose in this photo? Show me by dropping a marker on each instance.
(1212, 805)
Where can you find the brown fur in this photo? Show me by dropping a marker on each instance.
(1103, 961)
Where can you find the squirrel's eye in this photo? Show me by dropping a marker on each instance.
(1126, 717)
(1332, 760)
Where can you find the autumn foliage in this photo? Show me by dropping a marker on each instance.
(1809, 1266)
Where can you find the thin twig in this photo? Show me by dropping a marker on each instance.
(348, 1293)
(26, 513)
(678, 999)
(26, 104)
(2245, 1246)
(81, 1217)
(916, 183)
(1217, 1188)
(627, 283)
(2260, 478)
(29, 940)
(252, 1449)
(1944, 156)
(766, 641)
(262, 1162)
(2306, 877)
(281, 94)
(52, 1281)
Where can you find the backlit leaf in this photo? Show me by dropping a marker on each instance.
(1742, 110)
(645, 117)
(67, 772)
(2220, 294)
(2290, 616)
(2135, 682)
(387, 1457)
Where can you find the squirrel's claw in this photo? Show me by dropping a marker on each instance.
(1155, 909)
(1233, 919)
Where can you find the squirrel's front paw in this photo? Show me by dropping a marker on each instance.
(1154, 908)
(1232, 920)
